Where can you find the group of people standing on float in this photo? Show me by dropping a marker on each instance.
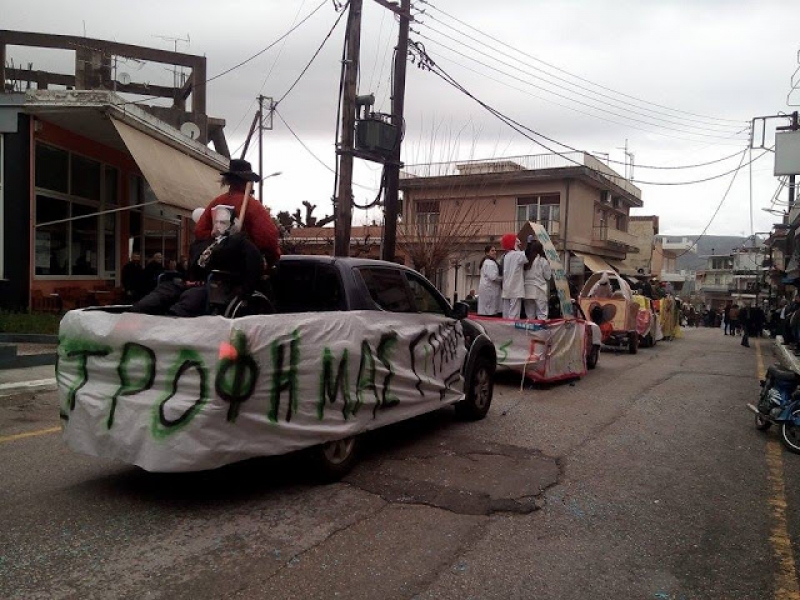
(523, 279)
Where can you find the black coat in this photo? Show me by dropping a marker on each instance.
(235, 254)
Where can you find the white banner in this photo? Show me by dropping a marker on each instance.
(171, 394)
(544, 351)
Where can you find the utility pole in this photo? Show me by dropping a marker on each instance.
(393, 165)
(794, 127)
(261, 148)
(344, 195)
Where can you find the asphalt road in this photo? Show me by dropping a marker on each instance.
(645, 479)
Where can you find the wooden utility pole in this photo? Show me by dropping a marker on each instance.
(261, 148)
(393, 165)
(344, 195)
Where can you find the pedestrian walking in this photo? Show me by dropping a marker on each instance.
(733, 319)
(745, 321)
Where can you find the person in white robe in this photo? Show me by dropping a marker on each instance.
(490, 285)
(513, 279)
(537, 273)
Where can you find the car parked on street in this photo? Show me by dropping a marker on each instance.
(352, 345)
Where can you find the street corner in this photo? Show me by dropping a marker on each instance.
(482, 479)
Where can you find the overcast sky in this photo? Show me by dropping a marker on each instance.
(678, 80)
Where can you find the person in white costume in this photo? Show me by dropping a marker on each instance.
(489, 288)
(513, 280)
(601, 289)
(537, 273)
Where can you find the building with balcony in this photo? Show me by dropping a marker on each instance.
(87, 177)
(738, 277)
(583, 204)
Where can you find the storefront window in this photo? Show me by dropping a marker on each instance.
(74, 189)
(52, 168)
(52, 252)
(109, 220)
(85, 178)
(84, 240)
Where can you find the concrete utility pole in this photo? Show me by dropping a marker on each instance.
(794, 127)
(393, 165)
(344, 195)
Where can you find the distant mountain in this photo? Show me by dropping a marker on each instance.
(706, 246)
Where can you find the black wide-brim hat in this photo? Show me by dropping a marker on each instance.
(242, 169)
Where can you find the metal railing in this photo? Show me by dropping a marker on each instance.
(530, 162)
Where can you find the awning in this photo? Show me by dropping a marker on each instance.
(176, 178)
(594, 263)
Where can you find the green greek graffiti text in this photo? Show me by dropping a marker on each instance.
(283, 380)
(135, 357)
(385, 346)
(80, 351)
(330, 388)
(162, 426)
(237, 373)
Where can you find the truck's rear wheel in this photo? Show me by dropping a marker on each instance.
(333, 460)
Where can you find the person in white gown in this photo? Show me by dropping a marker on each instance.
(489, 288)
(513, 280)
(537, 273)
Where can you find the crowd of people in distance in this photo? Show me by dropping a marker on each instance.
(234, 235)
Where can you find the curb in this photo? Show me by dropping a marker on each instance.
(38, 385)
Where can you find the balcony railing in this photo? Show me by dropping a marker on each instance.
(482, 231)
(531, 162)
(604, 233)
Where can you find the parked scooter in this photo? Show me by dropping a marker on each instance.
(779, 404)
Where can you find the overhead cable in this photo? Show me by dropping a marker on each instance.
(578, 77)
(427, 63)
(581, 92)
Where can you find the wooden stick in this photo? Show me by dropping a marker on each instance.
(247, 189)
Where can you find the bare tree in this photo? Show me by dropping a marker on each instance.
(431, 239)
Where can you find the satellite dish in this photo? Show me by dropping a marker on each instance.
(190, 130)
(124, 78)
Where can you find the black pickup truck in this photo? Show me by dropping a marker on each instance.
(351, 345)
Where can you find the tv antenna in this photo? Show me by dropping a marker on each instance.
(187, 40)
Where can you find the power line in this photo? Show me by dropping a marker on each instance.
(313, 57)
(311, 152)
(576, 101)
(719, 206)
(578, 77)
(247, 60)
(584, 93)
(427, 63)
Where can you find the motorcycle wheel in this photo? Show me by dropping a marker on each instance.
(762, 423)
(790, 433)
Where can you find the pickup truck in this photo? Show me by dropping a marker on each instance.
(352, 345)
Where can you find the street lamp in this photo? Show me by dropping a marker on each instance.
(261, 185)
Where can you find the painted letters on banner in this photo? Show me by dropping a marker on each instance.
(190, 394)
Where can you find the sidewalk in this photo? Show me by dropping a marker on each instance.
(30, 379)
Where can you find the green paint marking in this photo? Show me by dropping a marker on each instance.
(283, 380)
(162, 427)
(79, 350)
(504, 351)
(133, 355)
(330, 388)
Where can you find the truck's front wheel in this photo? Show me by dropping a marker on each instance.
(479, 390)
